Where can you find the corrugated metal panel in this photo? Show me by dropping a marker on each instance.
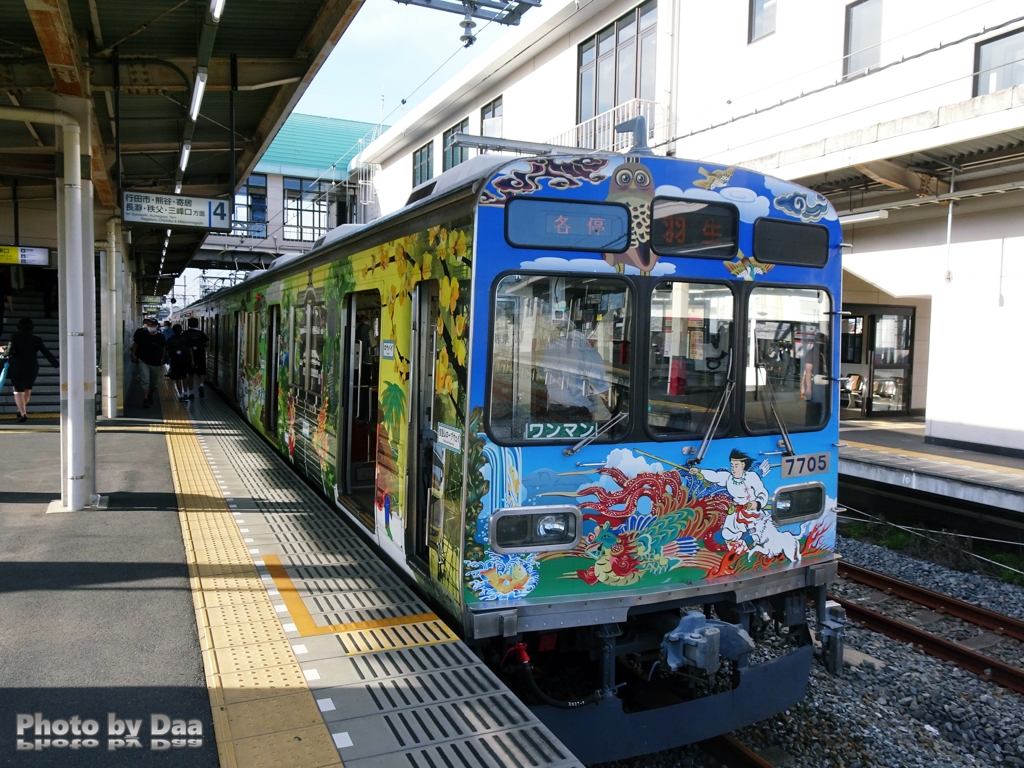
(315, 143)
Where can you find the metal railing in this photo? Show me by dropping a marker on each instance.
(598, 133)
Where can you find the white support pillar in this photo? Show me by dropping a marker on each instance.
(76, 277)
(110, 309)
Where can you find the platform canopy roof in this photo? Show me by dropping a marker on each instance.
(143, 60)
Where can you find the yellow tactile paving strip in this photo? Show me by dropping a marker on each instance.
(263, 710)
(934, 457)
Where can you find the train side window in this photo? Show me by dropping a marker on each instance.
(789, 357)
(689, 354)
(307, 334)
(560, 365)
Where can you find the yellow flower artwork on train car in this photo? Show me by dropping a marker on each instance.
(443, 376)
(449, 289)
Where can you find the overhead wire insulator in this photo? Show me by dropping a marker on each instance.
(467, 24)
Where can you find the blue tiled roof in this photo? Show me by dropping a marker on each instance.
(307, 146)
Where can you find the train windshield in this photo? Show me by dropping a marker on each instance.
(690, 343)
(788, 359)
(560, 357)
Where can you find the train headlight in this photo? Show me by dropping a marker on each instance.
(805, 501)
(535, 529)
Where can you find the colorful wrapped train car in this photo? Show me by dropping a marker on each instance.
(589, 404)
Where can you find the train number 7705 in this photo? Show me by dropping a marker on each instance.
(807, 464)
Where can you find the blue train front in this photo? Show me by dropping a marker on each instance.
(653, 423)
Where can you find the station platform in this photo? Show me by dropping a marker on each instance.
(218, 587)
(895, 453)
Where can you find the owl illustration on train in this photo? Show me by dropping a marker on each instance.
(633, 185)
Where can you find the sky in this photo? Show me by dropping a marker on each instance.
(391, 49)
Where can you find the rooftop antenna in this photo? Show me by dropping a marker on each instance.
(638, 125)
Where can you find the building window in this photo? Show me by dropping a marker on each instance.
(617, 64)
(454, 155)
(251, 208)
(490, 119)
(999, 63)
(307, 208)
(423, 164)
(762, 19)
(863, 37)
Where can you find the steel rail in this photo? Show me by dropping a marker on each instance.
(733, 754)
(982, 617)
(985, 667)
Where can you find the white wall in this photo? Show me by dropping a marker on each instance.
(780, 105)
(972, 356)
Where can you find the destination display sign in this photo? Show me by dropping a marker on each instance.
(694, 228)
(16, 254)
(174, 211)
(567, 225)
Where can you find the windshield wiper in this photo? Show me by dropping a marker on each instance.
(773, 404)
(716, 418)
(595, 434)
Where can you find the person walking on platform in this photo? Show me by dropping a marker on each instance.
(6, 295)
(148, 351)
(179, 353)
(197, 341)
(23, 352)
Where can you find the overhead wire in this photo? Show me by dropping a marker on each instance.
(921, 533)
(832, 61)
(369, 133)
(830, 86)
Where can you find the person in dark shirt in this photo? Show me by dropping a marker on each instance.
(148, 351)
(24, 350)
(6, 294)
(179, 355)
(197, 341)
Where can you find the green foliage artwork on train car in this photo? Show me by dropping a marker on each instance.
(441, 253)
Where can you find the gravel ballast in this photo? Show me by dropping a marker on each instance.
(912, 710)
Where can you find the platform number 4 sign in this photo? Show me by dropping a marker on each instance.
(218, 215)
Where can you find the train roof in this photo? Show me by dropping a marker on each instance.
(468, 174)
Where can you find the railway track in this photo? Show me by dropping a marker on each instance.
(733, 754)
(984, 666)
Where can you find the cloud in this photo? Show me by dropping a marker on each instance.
(799, 202)
(630, 465)
(750, 204)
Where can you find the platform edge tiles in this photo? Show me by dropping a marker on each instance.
(264, 712)
(281, 576)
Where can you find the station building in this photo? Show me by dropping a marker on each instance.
(910, 123)
(298, 191)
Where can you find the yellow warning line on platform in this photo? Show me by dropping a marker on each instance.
(936, 457)
(425, 628)
(263, 710)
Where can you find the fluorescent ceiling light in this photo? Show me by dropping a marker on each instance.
(216, 9)
(186, 149)
(168, 233)
(177, 187)
(855, 218)
(197, 93)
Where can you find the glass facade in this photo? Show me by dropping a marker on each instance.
(251, 208)
(863, 37)
(307, 209)
(617, 64)
(454, 155)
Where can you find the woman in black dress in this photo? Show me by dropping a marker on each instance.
(24, 350)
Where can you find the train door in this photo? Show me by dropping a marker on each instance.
(358, 461)
(876, 354)
(239, 337)
(270, 375)
(426, 456)
(215, 335)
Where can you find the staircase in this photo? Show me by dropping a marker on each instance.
(46, 392)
